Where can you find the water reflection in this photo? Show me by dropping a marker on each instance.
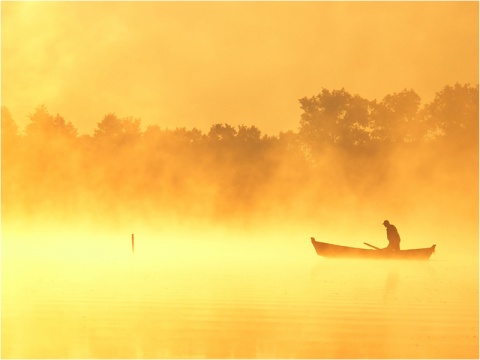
(150, 306)
(392, 282)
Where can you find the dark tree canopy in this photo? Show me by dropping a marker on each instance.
(344, 141)
(349, 121)
(453, 114)
(45, 127)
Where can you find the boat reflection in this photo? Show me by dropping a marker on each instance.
(392, 282)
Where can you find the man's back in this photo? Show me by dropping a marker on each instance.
(393, 237)
(392, 233)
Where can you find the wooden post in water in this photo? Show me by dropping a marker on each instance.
(133, 244)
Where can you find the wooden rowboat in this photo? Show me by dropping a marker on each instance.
(338, 251)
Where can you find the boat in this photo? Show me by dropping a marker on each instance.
(338, 251)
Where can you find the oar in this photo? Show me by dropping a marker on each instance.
(376, 248)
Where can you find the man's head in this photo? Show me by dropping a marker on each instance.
(386, 223)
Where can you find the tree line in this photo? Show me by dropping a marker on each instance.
(344, 143)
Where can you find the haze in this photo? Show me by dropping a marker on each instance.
(196, 64)
(148, 114)
(223, 135)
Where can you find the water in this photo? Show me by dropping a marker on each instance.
(227, 299)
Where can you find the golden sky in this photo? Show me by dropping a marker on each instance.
(194, 64)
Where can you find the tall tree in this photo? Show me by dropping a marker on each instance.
(222, 132)
(335, 118)
(453, 114)
(396, 119)
(9, 127)
(116, 131)
(45, 127)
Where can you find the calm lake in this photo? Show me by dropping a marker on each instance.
(230, 299)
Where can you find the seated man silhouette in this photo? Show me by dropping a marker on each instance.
(392, 236)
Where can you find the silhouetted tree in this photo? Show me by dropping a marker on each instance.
(47, 160)
(9, 127)
(45, 127)
(395, 119)
(320, 117)
(12, 161)
(248, 135)
(335, 118)
(222, 132)
(453, 115)
(345, 145)
(115, 131)
(356, 125)
(10, 140)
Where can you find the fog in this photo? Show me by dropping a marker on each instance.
(194, 64)
(164, 166)
(333, 166)
(221, 264)
(352, 164)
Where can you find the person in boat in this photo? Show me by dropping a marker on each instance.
(392, 236)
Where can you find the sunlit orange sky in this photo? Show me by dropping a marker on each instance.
(194, 64)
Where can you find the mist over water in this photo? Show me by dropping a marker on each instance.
(219, 295)
(149, 209)
(221, 292)
(222, 264)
